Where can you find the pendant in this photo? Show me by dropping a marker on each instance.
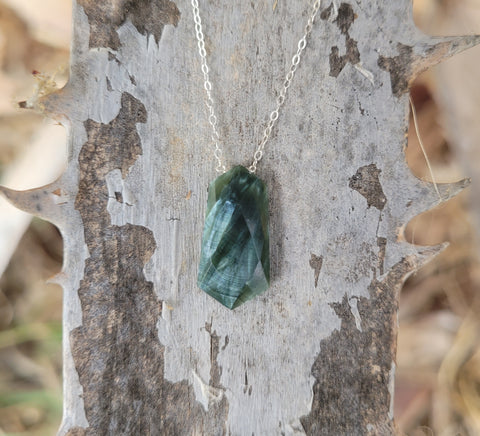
(235, 257)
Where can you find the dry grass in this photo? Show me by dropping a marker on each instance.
(30, 309)
(438, 364)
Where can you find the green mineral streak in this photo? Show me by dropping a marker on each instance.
(235, 261)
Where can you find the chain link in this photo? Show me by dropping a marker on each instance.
(212, 119)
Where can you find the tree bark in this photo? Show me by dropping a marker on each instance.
(145, 351)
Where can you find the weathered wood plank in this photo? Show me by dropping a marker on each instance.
(147, 352)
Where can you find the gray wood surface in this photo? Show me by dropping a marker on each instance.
(145, 350)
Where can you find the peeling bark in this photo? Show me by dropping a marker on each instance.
(344, 19)
(147, 352)
(367, 183)
(148, 17)
(356, 363)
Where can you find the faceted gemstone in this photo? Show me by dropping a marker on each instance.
(235, 263)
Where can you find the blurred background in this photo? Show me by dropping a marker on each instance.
(438, 362)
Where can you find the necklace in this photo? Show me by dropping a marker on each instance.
(235, 258)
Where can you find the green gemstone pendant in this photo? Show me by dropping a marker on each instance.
(235, 258)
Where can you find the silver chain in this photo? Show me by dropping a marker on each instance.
(212, 118)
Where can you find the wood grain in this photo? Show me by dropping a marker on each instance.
(146, 351)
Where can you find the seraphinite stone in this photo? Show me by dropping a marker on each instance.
(235, 260)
